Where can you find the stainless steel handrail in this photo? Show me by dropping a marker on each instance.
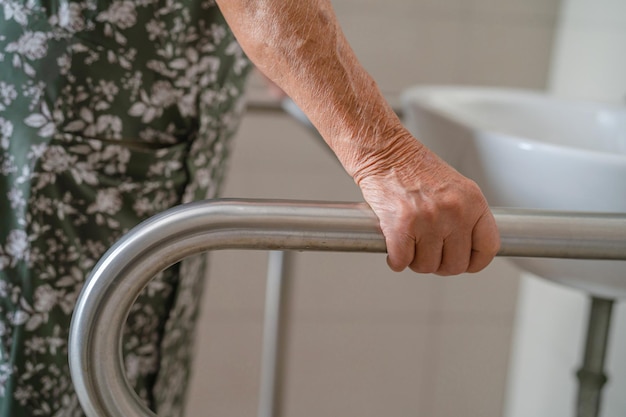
(96, 331)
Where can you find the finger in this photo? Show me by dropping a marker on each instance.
(400, 251)
(485, 243)
(427, 255)
(457, 251)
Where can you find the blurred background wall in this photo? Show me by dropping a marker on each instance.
(365, 341)
(589, 63)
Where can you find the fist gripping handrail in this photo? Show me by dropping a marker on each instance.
(116, 281)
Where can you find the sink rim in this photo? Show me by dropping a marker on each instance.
(446, 131)
(429, 96)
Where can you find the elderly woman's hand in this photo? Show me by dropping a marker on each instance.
(434, 220)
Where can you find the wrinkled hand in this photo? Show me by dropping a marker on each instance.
(434, 219)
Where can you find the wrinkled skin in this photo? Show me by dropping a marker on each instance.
(434, 219)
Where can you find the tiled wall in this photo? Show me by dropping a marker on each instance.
(589, 59)
(365, 341)
(487, 42)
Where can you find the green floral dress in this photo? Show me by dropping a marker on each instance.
(110, 111)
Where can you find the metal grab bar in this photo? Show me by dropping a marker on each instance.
(96, 331)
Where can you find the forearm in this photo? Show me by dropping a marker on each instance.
(433, 218)
(300, 46)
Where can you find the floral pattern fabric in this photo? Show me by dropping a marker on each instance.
(110, 112)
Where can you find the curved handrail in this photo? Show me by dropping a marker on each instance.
(102, 308)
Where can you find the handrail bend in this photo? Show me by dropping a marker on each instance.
(95, 352)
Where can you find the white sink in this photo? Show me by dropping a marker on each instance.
(529, 149)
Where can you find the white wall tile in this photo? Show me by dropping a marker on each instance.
(453, 41)
(497, 53)
(467, 377)
(489, 296)
(348, 369)
(226, 370)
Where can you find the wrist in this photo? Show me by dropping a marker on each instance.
(386, 152)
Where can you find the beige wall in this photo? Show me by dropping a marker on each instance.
(589, 64)
(366, 341)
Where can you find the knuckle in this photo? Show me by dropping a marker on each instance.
(428, 210)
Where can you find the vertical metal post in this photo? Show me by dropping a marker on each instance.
(591, 376)
(277, 297)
